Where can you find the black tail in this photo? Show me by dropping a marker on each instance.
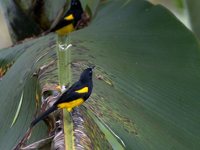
(43, 115)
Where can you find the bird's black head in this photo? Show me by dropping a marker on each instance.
(86, 75)
(76, 5)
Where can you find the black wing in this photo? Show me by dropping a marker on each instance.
(70, 94)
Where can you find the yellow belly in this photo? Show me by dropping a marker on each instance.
(72, 104)
(65, 30)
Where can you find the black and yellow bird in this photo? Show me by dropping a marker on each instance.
(78, 93)
(71, 18)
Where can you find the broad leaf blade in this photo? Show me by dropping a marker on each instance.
(153, 62)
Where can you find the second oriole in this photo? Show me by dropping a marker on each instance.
(68, 23)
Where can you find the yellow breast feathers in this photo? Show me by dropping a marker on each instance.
(83, 90)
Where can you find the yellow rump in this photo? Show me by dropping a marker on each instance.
(65, 30)
(72, 104)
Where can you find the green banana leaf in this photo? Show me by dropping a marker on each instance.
(146, 80)
(153, 63)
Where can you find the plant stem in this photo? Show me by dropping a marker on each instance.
(64, 73)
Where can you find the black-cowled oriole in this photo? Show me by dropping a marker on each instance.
(74, 96)
(68, 23)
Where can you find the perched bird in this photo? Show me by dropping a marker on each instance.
(74, 96)
(68, 23)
